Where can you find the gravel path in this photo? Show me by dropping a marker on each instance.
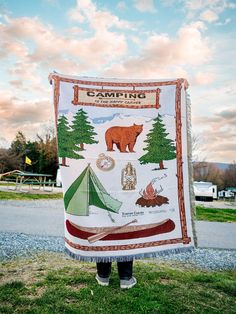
(19, 245)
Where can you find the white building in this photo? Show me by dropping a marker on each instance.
(204, 191)
(226, 194)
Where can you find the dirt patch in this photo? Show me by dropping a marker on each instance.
(31, 270)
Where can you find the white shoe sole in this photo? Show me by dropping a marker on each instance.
(128, 287)
(104, 284)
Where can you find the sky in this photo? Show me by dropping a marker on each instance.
(143, 39)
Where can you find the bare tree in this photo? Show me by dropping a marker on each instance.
(9, 160)
(229, 177)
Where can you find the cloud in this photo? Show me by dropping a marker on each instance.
(209, 16)
(15, 111)
(144, 5)
(228, 114)
(8, 46)
(218, 134)
(202, 78)
(163, 55)
(219, 5)
(225, 22)
(99, 20)
(52, 51)
(207, 10)
(25, 115)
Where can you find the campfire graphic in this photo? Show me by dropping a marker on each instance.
(150, 196)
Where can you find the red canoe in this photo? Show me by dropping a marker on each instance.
(131, 232)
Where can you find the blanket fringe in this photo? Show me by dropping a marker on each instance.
(106, 259)
(190, 168)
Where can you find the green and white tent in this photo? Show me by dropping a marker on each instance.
(87, 190)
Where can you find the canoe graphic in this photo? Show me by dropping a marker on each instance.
(130, 232)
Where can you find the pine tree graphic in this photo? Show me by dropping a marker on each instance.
(82, 130)
(159, 147)
(66, 146)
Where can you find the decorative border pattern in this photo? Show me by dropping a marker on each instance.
(178, 83)
(180, 162)
(124, 246)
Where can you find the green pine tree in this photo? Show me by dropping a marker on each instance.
(159, 147)
(66, 146)
(82, 130)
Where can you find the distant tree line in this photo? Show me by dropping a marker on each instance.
(42, 152)
(208, 172)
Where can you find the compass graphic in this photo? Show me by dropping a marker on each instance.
(105, 163)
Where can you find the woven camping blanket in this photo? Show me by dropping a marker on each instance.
(123, 154)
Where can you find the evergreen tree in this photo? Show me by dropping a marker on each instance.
(82, 130)
(66, 147)
(159, 147)
(18, 148)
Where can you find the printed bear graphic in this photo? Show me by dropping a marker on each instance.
(123, 136)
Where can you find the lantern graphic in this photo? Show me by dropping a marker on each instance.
(128, 177)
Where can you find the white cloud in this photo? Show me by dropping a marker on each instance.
(209, 16)
(144, 5)
(25, 115)
(207, 10)
(225, 22)
(165, 56)
(55, 51)
(99, 20)
(217, 134)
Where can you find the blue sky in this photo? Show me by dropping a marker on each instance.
(152, 39)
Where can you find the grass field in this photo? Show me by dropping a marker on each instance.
(216, 214)
(28, 196)
(50, 284)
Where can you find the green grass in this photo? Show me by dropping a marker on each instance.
(28, 196)
(52, 284)
(216, 214)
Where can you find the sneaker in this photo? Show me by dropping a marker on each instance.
(102, 281)
(127, 284)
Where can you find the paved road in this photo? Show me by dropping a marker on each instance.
(32, 217)
(46, 218)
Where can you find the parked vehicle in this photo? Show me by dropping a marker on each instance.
(204, 191)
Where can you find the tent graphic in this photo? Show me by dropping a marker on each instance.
(87, 190)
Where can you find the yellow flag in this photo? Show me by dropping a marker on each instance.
(28, 161)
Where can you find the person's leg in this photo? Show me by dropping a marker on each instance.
(104, 270)
(103, 273)
(125, 270)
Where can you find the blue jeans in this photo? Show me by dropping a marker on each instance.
(125, 270)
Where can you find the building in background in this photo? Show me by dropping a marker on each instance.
(204, 191)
